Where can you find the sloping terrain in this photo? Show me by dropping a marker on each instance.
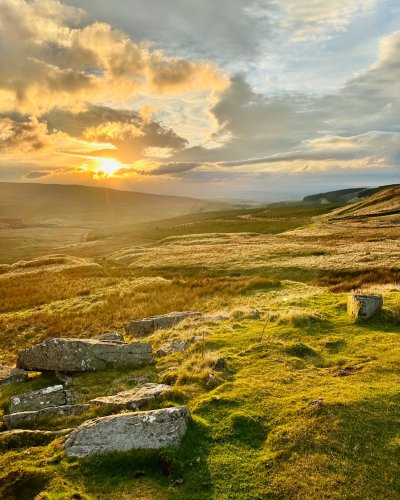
(381, 209)
(343, 195)
(306, 404)
(56, 205)
(46, 218)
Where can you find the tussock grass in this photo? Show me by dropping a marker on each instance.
(346, 281)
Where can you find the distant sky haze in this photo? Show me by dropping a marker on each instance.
(250, 99)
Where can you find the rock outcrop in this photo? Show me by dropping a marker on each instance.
(134, 398)
(33, 418)
(145, 326)
(11, 375)
(364, 306)
(54, 395)
(142, 430)
(80, 355)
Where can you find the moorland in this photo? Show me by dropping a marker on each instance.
(306, 405)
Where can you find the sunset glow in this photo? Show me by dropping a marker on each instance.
(269, 103)
(107, 167)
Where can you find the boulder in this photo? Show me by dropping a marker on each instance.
(134, 398)
(128, 431)
(364, 306)
(11, 375)
(32, 418)
(54, 395)
(145, 326)
(80, 355)
(111, 337)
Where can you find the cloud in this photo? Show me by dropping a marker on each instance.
(36, 174)
(316, 19)
(50, 59)
(22, 137)
(129, 133)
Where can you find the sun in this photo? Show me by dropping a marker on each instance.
(107, 167)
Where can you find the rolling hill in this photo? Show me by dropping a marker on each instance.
(381, 209)
(37, 219)
(70, 205)
(343, 195)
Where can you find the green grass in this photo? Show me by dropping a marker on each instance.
(264, 220)
(254, 433)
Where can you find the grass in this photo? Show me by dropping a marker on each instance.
(254, 433)
(306, 405)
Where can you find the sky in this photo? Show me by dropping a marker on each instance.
(245, 99)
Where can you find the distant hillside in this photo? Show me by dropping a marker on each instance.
(343, 195)
(55, 205)
(382, 208)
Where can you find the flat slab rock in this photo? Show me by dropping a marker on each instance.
(134, 398)
(128, 431)
(54, 395)
(80, 355)
(364, 306)
(145, 326)
(28, 418)
(10, 375)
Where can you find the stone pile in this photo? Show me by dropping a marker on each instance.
(118, 432)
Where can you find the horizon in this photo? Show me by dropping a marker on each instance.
(282, 100)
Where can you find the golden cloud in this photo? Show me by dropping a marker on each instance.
(51, 62)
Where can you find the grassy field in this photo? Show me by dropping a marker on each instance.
(308, 404)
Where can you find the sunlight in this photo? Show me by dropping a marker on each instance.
(107, 167)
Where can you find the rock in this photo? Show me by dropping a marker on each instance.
(128, 431)
(29, 418)
(173, 346)
(145, 326)
(364, 306)
(220, 364)
(111, 337)
(134, 398)
(54, 395)
(80, 355)
(17, 438)
(11, 375)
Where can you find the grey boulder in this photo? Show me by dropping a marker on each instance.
(54, 395)
(33, 418)
(11, 375)
(80, 355)
(128, 431)
(134, 398)
(364, 306)
(145, 326)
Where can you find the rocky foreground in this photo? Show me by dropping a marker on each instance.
(153, 429)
